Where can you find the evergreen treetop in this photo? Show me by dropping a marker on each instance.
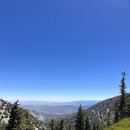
(122, 101)
(79, 121)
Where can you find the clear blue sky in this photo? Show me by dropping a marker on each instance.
(61, 50)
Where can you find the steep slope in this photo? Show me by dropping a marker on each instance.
(44, 117)
(5, 109)
(96, 113)
(122, 125)
(99, 112)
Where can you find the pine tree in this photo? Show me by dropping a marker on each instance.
(61, 124)
(87, 124)
(122, 102)
(19, 119)
(13, 122)
(116, 113)
(51, 124)
(79, 122)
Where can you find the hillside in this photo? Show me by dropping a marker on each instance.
(96, 113)
(122, 125)
(42, 116)
(99, 112)
(5, 109)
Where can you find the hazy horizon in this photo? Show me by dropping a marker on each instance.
(56, 100)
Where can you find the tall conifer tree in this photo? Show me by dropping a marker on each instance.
(61, 124)
(51, 124)
(122, 101)
(14, 117)
(79, 122)
(87, 124)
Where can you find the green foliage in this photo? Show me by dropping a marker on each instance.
(87, 124)
(61, 124)
(122, 107)
(19, 119)
(122, 101)
(14, 117)
(79, 121)
(122, 125)
(51, 124)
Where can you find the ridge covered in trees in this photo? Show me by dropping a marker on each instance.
(18, 118)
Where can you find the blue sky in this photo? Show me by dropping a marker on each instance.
(63, 50)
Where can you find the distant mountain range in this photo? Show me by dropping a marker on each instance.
(73, 103)
(48, 110)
